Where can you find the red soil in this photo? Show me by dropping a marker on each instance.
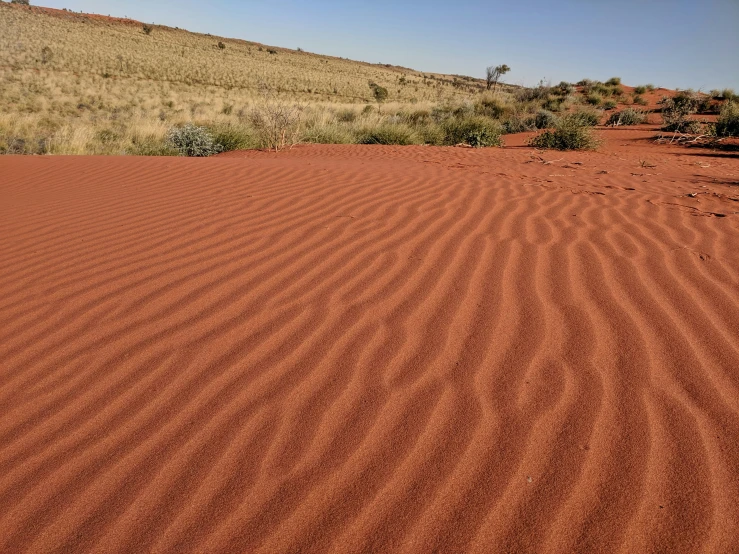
(371, 349)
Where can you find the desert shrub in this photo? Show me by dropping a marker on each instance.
(367, 110)
(568, 134)
(545, 119)
(328, 134)
(584, 82)
(277, 124)
(22, 2)
(564, 88)
(151, 146)
(727, 124)
(677, 110)
(490, 106)
(553, 104)
(650, 87)
(539, 92)
(609, 104)
(586, 117)
(418, 117)
(221, 46)
(46, 55)
(147, 28)
(629, 116)
(191, 140)
(387, 133)
(519, 122)
(431, 134)
(614, 81)
(594, 99)
(715, 94)
(233, 137)
(347, 116)
(728, 94)
(641, 89)
(640, 100)
(616, 90)
(476, 131)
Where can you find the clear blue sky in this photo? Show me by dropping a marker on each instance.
(670, 43)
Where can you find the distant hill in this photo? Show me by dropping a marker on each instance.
(51, 41)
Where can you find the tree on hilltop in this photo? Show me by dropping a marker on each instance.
(493, 74)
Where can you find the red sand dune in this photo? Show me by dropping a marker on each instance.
(371, 349)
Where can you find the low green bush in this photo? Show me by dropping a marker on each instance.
(614, 81)
(629, 116)
(609, 104)
(476, 131)
(193, 141)
(545, 119)
(727, 124)
(641, 89)
(640, 100)
(388, 133)
(233, 137)
(586, 117)
(568, 134)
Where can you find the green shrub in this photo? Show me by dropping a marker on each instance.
(328, 134)
(191, 140)
(545, 119)
(676, 112)
(150, 146)
(586, 117)
(649, 87)
(727, 124)
(519, 122)
(641, 89)
(569, 134)
(616, 90)
(727, 94)
(629, 116)
(609, 104)
(147, 28)
(388, 133)
(477, 131)
(233, 137)
(490, 106)
(640, 100)
(594, 99)
(614, 81)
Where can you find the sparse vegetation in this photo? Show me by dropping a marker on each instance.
(728, 121)
(641, 89)
(676, 112)
(629, 116)
(191, 140)
(569, 134)
(613, 81)
(147, 28)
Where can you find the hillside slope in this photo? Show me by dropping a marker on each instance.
(51, 41)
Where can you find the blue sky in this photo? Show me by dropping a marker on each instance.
(670, 43)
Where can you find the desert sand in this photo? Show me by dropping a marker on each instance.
(360, 349)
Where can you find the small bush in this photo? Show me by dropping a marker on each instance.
(191, 140)
(629, 116)
(640, 100)
(346, 116)
(388, 133)
(649, 87)
(519, 123)
(586, 117)
(641, 89)
(475, 131)
(614, 81)
(545, 120)
(594, 99)
(676, 111)
(569, 134)
(233, 137)
(221, 46)
(616, 90)
(609, 104)
(147, 28)
(727, 124)
(728, 94)
(328, 134)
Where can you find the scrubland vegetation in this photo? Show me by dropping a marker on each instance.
(77, 84)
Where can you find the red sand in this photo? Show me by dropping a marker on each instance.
(371, 349)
